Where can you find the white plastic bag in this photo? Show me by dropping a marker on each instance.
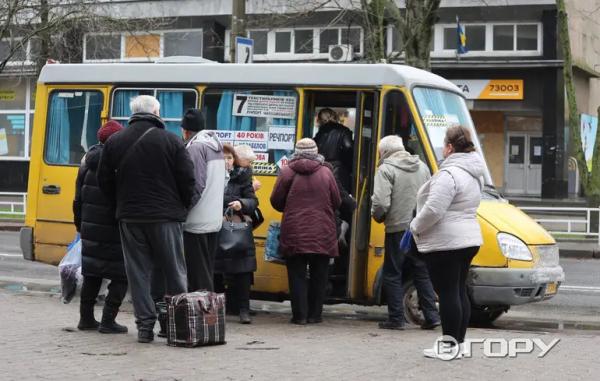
(69, 269)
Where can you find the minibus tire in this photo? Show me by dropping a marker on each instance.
(485, 316)
(412, 310)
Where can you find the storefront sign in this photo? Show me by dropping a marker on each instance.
(264, 106)
(8, 95)
(589, 126)
(495, 89)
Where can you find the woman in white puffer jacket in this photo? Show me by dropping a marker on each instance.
(447, 232)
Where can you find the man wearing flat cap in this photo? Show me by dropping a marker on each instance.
(201, 228)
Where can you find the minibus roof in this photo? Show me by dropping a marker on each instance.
(295, 74)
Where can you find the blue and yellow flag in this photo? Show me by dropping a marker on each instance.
(461, 42)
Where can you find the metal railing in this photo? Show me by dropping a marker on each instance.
(566, 221)
(13, 205)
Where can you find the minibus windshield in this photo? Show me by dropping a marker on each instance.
(440, 109)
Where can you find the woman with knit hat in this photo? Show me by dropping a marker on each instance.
(102, 256)
(307, 194)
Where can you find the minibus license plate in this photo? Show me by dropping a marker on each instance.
(551, 288)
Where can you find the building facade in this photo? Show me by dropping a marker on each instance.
(512, 74)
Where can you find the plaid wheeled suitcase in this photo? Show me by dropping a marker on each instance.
(196, 318)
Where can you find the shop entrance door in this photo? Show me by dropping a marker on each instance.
(524, 164)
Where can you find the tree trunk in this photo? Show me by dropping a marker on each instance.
(238, 25)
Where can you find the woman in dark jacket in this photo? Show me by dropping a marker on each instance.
(102, 256)
(307, 194)
(238, 267)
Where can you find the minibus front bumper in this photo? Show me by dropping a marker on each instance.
(510, 286)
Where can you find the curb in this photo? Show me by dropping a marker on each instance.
(8, 227)
(579, 254)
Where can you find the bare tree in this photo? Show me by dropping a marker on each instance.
(55, 29)
(413, 24)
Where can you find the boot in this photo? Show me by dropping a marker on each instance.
(108, 323)
(245, 317)
(87, 322)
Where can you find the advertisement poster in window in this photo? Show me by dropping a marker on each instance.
(264, 106)
(282, 137)
(589, 126)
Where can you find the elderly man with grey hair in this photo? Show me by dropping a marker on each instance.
(149, 176)
(398, 179)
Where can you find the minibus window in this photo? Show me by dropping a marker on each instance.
(440, 109)
(173, 103)
(263, 119)
(397, 120)
(73, 121)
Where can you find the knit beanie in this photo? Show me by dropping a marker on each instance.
(193, 120)
(306, 146)
(108, 129)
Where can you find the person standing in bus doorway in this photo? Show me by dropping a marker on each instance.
(201, 228)
(397, 181)
(236, 268)
(150, 176)
(102, 255)
(334, 142)
(447, 232)
(307, 194)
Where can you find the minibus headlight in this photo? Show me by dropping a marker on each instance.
(513, 248)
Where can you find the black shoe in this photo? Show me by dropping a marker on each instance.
(87, 322)
(314, 320)
(298, 321)
(391, 325)
(430, 324)
(245, 317)
(108, 323)
(145, 336)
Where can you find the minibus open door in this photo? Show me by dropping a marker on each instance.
(365, 141)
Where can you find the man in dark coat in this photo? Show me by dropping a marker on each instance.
(334, 142)
(150, 176)
(102, 256)
(307, 194)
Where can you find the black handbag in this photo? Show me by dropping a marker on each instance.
(235, 236)
(257, 218)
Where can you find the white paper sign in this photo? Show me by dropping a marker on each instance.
(264, 106)
(262, 157)
(537, 151)
(282, 138)
(256, 146)
(282, 162)
(3, 142)
(225, 136)
(514, 150)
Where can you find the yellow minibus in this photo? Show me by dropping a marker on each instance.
(270, 107)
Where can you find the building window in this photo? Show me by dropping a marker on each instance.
(475, 37)
(527, 36)
(103, 47)
(145, 46)
(490, 39)
(173, 103)
(351, 36)
(260, 41)
(328, 37)
(283, 42)
(73, 122)
(303, 41)
(142, 46)
(183, 44)
(504, 37)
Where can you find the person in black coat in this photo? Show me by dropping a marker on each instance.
(335, 144)
(102, 256)
(237, 268)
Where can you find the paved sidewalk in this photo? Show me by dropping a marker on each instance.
(38, 341)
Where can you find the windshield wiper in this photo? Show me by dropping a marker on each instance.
(492, 191)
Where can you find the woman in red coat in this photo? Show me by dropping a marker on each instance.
(307, 194)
